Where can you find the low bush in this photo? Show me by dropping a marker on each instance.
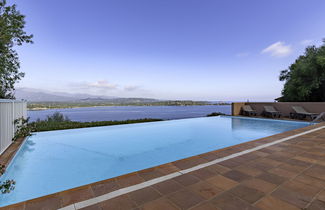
(8, 185)
(215, 114)
(23, 128)
(46, 125)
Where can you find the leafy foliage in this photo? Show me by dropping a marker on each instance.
(43, 125)
(8, 185)
(305, 79)
(23, 128)
(58, 121)
(215, 114)
(12, 34)
(56, 117)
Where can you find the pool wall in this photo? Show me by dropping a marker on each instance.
(284, 107)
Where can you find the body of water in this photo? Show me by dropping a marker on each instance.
(87, 114)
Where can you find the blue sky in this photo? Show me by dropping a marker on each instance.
(168, 49)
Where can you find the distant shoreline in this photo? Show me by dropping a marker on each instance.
(108, 113)
(40, 107)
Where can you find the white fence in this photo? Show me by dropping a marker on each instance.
(10, 110)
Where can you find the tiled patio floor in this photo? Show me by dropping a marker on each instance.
(287, 175)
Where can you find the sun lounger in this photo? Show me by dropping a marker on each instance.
(271, 112)
(301, 113)
(247, 110)
(320, 117)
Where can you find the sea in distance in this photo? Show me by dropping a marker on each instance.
(107, 113)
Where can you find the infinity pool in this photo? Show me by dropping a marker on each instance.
(53, 161)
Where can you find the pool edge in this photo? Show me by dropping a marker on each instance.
(10, 153)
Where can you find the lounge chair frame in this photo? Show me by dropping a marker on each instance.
(248, 111)
(301, 113)
(270, 111)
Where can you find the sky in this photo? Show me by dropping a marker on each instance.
(230, 50)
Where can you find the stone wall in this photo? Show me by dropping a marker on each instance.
(284, 107)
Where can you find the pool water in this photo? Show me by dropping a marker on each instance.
(53, 161)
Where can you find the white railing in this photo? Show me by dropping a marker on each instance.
(10, 110)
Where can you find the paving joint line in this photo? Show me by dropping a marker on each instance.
(280, 185)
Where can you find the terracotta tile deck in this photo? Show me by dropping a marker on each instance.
(287, 175)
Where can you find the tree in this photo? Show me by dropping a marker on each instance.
(305, 79)
(12, 34)
(57, 117)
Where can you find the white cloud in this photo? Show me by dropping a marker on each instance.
(306, 42)
(98, 86)
(102, 84)
(104, 87)
(278, 49)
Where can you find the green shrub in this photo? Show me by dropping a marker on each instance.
(215, 114)
(23, 128)
(57, 121)
(55, 117)
(7, 185)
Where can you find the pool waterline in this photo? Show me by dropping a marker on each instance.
(237, 123)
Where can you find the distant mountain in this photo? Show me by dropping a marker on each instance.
(35, 95)
(93, 99)
(120, 100)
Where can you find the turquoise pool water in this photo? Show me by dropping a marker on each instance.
(53, 161)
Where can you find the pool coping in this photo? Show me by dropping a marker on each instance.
(7, 155)
(151, 175)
